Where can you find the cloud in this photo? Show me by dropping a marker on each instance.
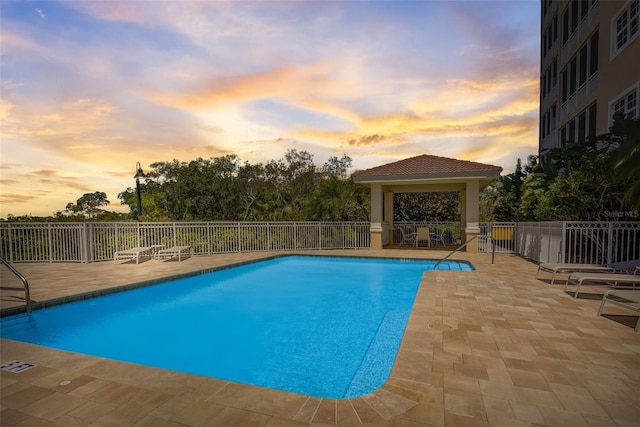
(17, 198)
(366, 140)
(119, 82)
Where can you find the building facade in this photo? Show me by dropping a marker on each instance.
(589, 67)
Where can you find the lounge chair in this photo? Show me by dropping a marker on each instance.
(133, 253)
(423, 237)
(570, 268)
(629, 296)
(175, 251)
(602, 279)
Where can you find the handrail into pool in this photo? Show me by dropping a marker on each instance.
(455, 250)
(27, 294)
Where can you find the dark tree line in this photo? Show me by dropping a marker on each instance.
(293, 188)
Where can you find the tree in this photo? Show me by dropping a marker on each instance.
(587, 180)
(500, 201)
(426, 207)
(626, 160)
(88, 205)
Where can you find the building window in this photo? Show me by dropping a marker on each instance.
(592, 121)
(574, 15)
(626, 104)
(565, 26)
(626, 26)
(548, 122)
(593, 64)
(565, 85)
(549, 36)
(573, 67)
(572, 131)
(582, 68)
(580, 127)
(549, 79)
(584, 9)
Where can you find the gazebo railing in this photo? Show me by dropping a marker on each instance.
(449, 231)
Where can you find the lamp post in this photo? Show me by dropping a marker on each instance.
(139, 174)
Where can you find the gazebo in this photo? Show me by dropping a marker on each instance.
(426, 173)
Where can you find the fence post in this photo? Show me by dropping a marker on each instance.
(10, 243)
(563, 242)
(610, 244)
(84, 235)
(49, 243)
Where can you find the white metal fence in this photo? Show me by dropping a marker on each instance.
(588, 242)
(570, 242)
(89, 242)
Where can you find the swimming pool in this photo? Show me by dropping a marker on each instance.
(322, 326)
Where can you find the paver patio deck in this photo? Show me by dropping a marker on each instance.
(491, 347)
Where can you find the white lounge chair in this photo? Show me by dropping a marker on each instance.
(570, 268)
(175, 251)
(133, 253)
(629, 296)
(602, 279)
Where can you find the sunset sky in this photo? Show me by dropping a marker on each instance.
(89, 88)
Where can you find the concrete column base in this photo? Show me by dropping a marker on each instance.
(376, 240)
(472, 246)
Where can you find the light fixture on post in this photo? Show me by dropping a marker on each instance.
(139, 174)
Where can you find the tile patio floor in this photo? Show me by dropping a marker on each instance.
(492, 347)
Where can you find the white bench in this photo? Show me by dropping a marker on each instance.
(175, 251)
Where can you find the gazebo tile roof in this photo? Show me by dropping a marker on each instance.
(426, 164)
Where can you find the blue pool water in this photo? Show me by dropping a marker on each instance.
(322, 326)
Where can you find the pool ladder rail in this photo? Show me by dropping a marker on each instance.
(27, 294)
(455, 250)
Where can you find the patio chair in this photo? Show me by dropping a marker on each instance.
(436, 238)
(570, 268)
(133, 253)
(602, 279)
(407, 238)
(423, 237)
(175, 251)
(624, 299)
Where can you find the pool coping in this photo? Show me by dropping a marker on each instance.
(406, 386)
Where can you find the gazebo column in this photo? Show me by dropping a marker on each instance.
(376, 217)
(388, 216)
(471, 221)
